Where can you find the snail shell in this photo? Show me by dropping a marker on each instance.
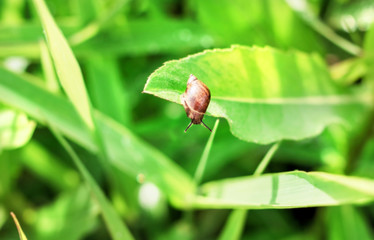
(196, 100)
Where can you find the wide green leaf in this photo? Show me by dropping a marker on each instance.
(286, 190)
(265, 94)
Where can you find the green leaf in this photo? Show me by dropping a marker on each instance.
(265, 94)
(286, 190)
(48, 69)
(15, 129)
(67, 66)
(22, 94)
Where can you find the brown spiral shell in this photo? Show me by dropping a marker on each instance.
(196, 100)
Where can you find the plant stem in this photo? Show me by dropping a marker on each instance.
(266, 159)
(235, 223)
(204, 158)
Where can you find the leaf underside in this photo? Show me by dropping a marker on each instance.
(265, 94)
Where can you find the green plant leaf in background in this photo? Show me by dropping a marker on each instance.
(286, 190)
(15, 129)
(265, 94)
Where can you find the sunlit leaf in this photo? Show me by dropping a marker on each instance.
(66, 65)
(265, 94)
(15, 129)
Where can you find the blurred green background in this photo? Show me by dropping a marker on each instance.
(118, 44)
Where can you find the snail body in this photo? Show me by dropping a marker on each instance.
(195, 101)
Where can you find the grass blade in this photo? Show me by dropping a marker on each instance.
(234, 226)
(22, 236)
(116, 228)
(306, 14)
(266, 159)
(66, 64)
(204, 158)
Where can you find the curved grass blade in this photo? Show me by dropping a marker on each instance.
(66, 64)
(204, 158)
(117, 229)
(21, 234)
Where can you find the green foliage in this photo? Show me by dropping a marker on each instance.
(15, 129)
(85, 155)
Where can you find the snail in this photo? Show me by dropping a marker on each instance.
(195, 101)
